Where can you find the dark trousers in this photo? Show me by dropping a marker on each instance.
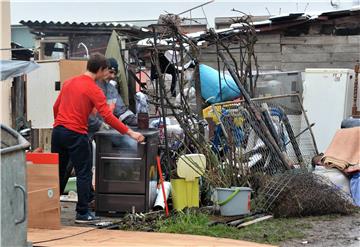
(67, 175)
(168, 68)
(74, 147)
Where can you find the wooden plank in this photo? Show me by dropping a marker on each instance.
(268, 57)
(45, 139)
(293, 57)
(345, 57)
(325, 39)
(269, 66)
(354, 40)
(320, 57)
(268, 39)
(261, 57)
(301, 66)
(276, 65)
(255, 221)
(320, 48)
(86, 236)
(266, 48)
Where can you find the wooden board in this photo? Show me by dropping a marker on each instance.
(71, 68)
(86, 236)
(321, 40)
(45, 139)
(320, 57)
(320, 48)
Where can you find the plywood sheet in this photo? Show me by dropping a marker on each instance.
(71, 68)
(83, 236)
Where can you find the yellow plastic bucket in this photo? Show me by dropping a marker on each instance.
(185, 193)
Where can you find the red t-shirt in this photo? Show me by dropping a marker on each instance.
(78, 96)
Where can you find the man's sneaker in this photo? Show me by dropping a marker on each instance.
(87, 218)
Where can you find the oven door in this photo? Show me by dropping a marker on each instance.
(119, 174)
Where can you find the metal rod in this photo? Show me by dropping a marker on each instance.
(291, 135)
(257, 99)
(16, 49)
(162, 89)
(302, 132)
(203, 4)
(308, 124)
(218, 64)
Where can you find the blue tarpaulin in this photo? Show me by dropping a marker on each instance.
(14, 68)
(210, 88)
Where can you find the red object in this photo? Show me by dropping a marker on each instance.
(43, 158)
(76, 101)
(162, 185)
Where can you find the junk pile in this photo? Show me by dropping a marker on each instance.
(298, 193)
(342, 159)
(263, 143)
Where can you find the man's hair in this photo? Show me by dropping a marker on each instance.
(96, 62)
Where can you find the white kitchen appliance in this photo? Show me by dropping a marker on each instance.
(327, 99)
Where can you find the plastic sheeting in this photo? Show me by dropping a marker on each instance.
(355, 188)
(210, 88)
(113, 50)
(13, 68)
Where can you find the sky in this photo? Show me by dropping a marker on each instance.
(111, 10)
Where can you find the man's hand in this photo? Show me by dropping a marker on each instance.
(136, 135)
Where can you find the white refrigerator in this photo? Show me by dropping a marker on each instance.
(327, 99)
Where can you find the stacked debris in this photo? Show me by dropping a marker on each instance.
(300, 193)
(264, 143)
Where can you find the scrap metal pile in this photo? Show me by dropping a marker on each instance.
(264, 143)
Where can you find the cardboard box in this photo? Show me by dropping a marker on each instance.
(43, 191)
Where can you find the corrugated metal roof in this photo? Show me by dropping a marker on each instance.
(79, 24)
(134, 24)
(51, 28)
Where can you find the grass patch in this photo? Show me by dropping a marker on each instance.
(272, 231)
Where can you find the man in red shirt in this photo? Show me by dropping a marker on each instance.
(78, 97)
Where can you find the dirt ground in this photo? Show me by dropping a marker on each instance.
(326, 231)
(334, 231)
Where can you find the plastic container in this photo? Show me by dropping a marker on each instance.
(335, 176)
(70, 185)
(234, 201)
(159, 202)
(185, 193)
(143, 120)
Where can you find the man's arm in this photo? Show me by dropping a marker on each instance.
(98, 98)
(120, 107)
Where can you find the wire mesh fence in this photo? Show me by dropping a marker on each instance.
(239, 135)
(298, 193)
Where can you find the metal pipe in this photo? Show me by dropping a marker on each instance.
(203, 4)
(308, 124)
(86, 49)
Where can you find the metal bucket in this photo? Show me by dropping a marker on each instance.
(234, 201)
(13, 188)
